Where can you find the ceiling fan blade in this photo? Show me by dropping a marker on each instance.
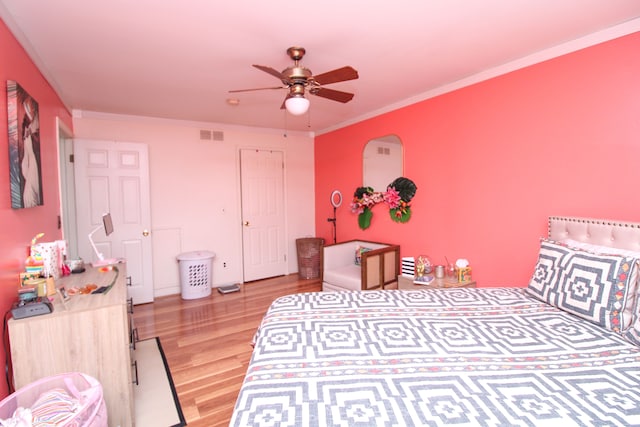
(338, 75)
(258, 88)
(271, 71)
(334, 95)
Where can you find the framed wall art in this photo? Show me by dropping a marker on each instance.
(24, 148)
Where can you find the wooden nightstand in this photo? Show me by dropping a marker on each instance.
(406, 283)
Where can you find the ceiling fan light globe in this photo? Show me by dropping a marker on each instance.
(297, 105)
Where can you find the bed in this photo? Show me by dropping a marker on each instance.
(562, 351)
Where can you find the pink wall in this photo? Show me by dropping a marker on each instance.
(18, 226)
(492, 161)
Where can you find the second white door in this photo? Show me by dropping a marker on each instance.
(263, 225)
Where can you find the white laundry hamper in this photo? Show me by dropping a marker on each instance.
(66, 400)
(196, 272)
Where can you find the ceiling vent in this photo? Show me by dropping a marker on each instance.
(211, 135)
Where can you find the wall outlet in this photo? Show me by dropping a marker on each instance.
(224, 265)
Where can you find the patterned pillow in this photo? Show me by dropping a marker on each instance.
(545, 283)
(359, 251)
(632, 333)
(599, 288)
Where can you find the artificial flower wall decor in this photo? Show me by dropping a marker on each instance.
(398, 195)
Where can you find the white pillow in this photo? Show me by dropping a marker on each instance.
(599, 249)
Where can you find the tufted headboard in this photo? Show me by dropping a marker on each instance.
(615, 234)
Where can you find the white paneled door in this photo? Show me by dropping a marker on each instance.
(263, 226)
(114, 177)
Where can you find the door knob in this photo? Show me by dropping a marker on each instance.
(145, 233)
(246, 223)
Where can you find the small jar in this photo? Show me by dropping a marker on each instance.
(423, 266)
(39, 285)
(452, 273)
(439, 271)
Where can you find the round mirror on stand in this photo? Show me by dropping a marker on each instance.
(336, 201)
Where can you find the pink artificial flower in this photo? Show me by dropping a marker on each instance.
(392, 198)
(369, 199)
(356, 207)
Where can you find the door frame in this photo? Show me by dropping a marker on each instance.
(67, 194)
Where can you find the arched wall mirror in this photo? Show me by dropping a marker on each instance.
(382, 162)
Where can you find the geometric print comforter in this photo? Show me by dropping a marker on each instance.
(475, 357)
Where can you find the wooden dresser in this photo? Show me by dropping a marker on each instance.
(91, 335)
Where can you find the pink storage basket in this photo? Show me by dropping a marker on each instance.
(43, 398)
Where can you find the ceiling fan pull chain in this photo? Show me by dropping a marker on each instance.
(285, 122)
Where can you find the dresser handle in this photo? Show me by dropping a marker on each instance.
(134, 338)
(135, 368)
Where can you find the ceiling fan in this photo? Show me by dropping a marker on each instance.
(298, 79)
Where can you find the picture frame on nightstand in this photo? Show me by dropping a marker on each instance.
(64, 297)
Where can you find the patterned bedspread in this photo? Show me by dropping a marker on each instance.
(478, 357)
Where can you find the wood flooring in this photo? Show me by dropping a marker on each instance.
(207, 342)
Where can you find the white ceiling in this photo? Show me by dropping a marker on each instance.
(179, 58)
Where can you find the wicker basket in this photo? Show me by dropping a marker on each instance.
(309, 257)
